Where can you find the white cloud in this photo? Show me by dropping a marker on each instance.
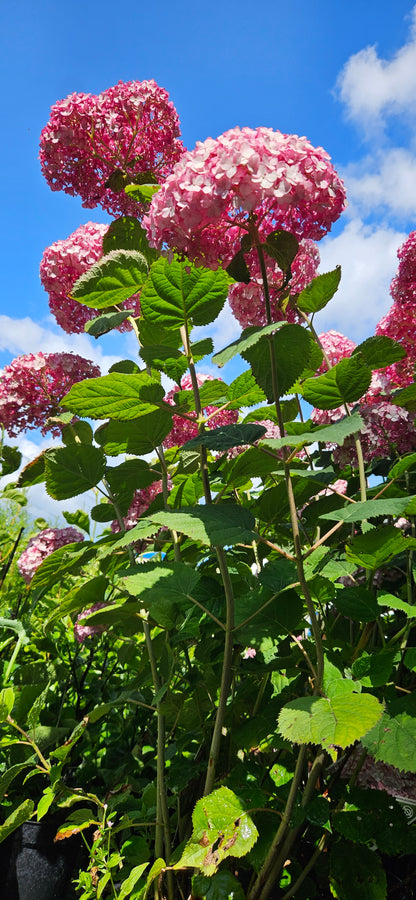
(21, 336)
(368, 257)
(385, 181)
(373, 88)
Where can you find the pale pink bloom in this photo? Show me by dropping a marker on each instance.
(42, 545)
(84, 631)
(247, 300)
(183, 429)
(336, 346)
(400, 325)
(249, 653)
(92, 144)
(140, 503)
(32, 386)
(281, 181)
(62, 264)
(338, 487)
(403, 286)
(388, 430)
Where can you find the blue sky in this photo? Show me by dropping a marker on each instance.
(341, 73)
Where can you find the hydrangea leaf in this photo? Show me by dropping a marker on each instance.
(244, 391)
(115, 396)
(320, 291)
(357, 603)
(165, 359)
(33, 473)
(78, 518)
(403, 465)
(335, 434)
(128, 477)
(374, 815)
(227, 436)
(213, 524)
(249, 338)
(126, 233)
(69, 558)
(369, 509)
(81, 597)
(379, 351)
(344, 383)
(72, 470)
(392, 602)
(10, 459)
(283, 247)
(105, 323)
(221, 886)
(393, 740)
(282, 614)
(136, 438)
(111, 280)
(179, 292)
(378, 546)
(356, 871)
(374, 669)
(162, 589)
(406, 397)
(330, 722)
(292, 346)
(221, 828)
(252, 463)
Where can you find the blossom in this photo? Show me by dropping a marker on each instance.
(93, 145)
(42, 545)
(388, 430)
(140, 503)
(403, 286)
(336, 346)
(83, 631)
(281, 181)
(183, 429)
(400, 325)
(32, 386)
(62, 264)
(249, 653)
(247, 300)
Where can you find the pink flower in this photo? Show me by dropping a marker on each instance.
(32, 386)
(62, 264)
(336, 346)
(141, 502)
(403, 286)
(92, 142)
(279, 180)
(247, 300)
(249, 653)
(183, 429)
(389, 430)
(42, 545)
(400, 325)
(84, 631)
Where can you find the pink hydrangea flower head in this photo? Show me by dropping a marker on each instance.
(62, 264)
(92, 144)
(183, 429)
(247, 300)
(85, 631)
(388, 430)
(403, 286)
(32, 386)
(336, 346)
(400, 325)
(141, 502)
(278, 180)
(42, 545)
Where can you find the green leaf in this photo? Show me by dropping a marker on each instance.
(16, 819)
(10, 774)
(251, 463)
(178, 293)
(378, 546)
(244, 391)
(129, 476)
(164, 590)
(112, 280)
(129, 883)
(72, 470)
(10, 459)
(319, 292)
(221, 886)
(83, 596)
(406, 397)
(77, 821)
(115, 396)
(78, 432)
(221, 828)
(33, 473)
(213, 524)
(283, 247)
(103, 512)
(356, 872)
(136, 438)
(249, 338)
(105, 323)
(331, 722)
(376, 816)
(69, 558)
(357, 603)
(393, 740)
(6, 703)
(78, 518)
(385, 599)
(227, 436)
(143, 193)
(238, 268)
(402, 465)
(126, 233)
(369, 509)
(165, 359)
(282, 615)
(374, 669)
(335, 434)
(345, 383)
(158, 866)
(45, 803)
(292, 346)
(380, 351)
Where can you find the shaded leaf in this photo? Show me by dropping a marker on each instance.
(319, 292)
(16, 818)
(72, 470)
(227, 436)
(213, 524)
(344, 383)
(356, 871)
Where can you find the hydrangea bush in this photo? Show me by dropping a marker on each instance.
(236, 629)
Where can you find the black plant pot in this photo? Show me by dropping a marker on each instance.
(33, 867)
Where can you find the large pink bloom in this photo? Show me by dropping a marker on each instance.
(183, 429)
(32, 386)
(129, 129)
(247, 300)
(42, 545)
(403, 286)
(281, 180)
(62, 264)
(400, 325)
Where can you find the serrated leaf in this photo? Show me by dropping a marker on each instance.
(369, 509)
(380, 351)
(66, 559)
(135, 438)
(165, 359)
(238, 268)
(249, 338)
(320, 291)
(406, 397)
(84, 595)
(335, 722)
(357, 603)
(105, 323)
(10, 459)
(403, 465)
(335, 434)
(179, 293)
(221, 828)
(292, 346)
(227, 436)
(344, 383)
(378, 546)
(375, 816)
(111, 280)
(126, 478)
(33, 473)
(356, 871)
(283, 247)
(244, 391)
(211, 524)
(143, 193)
(72, 470)
(162, 589)
(115, 396)
(392, 602)
(78, 518)
(221, 886)
(126, 233)
(393, 740)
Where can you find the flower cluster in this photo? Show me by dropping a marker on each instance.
(247, 300)
(93, 145)
(184, 429)
(403, 286)
(140, 503)
(276, 180)
(42, 545)
(336, 346)
(32, 386)
(400, 321)
(84, 631)
(62, 264)
(388, 430)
